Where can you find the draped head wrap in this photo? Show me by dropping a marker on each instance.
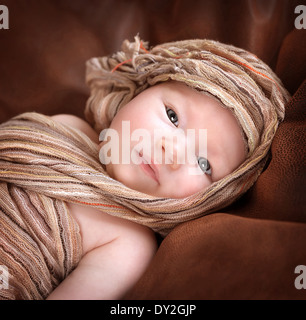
(238, 79)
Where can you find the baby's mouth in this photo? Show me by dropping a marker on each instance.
(149, 167)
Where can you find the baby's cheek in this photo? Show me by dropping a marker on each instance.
(189, 184)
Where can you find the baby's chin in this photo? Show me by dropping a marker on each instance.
(151, 189)
(168, 193)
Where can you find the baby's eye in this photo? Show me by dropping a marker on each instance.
(204, 165)
(172, 116)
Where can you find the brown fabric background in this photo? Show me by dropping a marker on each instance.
(250, 250)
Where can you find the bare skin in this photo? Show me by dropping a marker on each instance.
(116, 252)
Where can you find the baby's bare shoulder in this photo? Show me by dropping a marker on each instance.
(116, 253)
(78, 123)
(98, 228)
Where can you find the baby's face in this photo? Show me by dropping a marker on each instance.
(209, 147)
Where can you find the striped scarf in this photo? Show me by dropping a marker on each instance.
(238, 79)
(44, 164)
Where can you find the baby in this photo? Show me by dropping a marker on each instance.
(229, 100)
(107, 239)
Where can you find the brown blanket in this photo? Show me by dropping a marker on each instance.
(250, 253)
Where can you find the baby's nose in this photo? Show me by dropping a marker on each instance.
(174, 159)
(172, 152)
